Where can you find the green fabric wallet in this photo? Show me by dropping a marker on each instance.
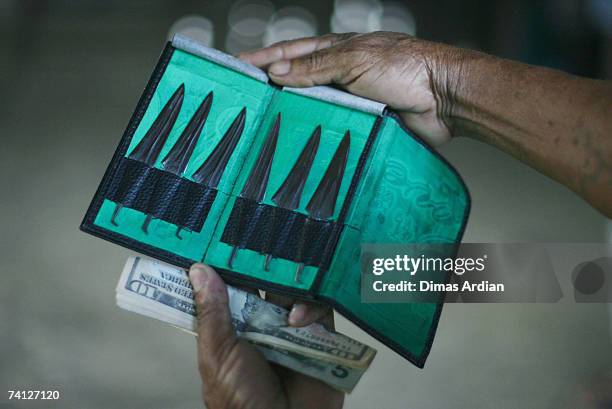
(277, 187)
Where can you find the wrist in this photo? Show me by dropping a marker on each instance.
(454, 74)
(446, 72)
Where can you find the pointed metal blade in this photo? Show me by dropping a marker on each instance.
(212, 169)
(323, 201)
(288, 195)
(256, 184)
(150, 146)
(177, 159)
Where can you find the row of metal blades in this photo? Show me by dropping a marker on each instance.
(177, 159)
(320, 207)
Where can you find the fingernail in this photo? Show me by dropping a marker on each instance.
(198, 275)
(297, 314)
(280, 68)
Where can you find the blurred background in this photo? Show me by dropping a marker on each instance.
(71, 73)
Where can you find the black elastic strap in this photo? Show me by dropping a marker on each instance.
(294, 236)
(161, 194)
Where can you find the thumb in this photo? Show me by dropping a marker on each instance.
(216, 334)
(327, 66)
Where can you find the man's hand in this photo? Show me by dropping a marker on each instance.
(557, 123)
(234, 374)
(396, 69)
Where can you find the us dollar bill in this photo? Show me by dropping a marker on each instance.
(163, 292)
(338, 376)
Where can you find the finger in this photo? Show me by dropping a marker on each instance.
(286, 50)
(304, 313)
(333, 65)
(216, 335)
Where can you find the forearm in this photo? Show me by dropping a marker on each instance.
(557, 123)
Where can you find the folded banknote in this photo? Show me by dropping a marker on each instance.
(161, 291)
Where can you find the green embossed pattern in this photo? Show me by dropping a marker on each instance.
(408, 196)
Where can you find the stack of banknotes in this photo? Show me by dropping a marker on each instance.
(163, 292)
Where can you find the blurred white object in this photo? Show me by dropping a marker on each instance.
(249, 18)
(197, 27)
(236, 43)
(356, 15)
(290, 23)
(395, 17)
